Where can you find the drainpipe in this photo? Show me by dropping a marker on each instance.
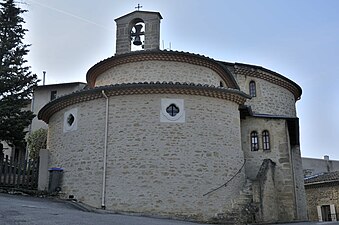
(105, 156)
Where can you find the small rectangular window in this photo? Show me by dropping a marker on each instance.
(53, 95)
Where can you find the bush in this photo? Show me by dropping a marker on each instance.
(36, 140)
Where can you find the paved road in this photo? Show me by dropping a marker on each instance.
(25, 210)
(310, 223)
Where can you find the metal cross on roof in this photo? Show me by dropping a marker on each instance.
(138, 7)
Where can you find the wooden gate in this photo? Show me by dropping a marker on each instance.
(19, 174)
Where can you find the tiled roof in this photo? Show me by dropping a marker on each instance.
(59, 84)
(265, 74)
(224, 69)
(322, 178)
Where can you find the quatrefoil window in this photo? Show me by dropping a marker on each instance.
(172, 110)
(70, 119)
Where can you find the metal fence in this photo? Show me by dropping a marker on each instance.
(19, 173)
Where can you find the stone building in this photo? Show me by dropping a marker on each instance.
(322, 188)
(177, 134)
(323, 196)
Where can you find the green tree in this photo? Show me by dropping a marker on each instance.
(36, 141)
(16, 80)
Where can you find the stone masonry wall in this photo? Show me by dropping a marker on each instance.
(279, 154)
(270, 98)
(152, 31)
(152, 167)
(318, 195)
(267, 199)
(158, 71)
(80, 152)
(299, 183)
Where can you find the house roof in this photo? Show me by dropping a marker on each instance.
(322, 178)
(48, 86)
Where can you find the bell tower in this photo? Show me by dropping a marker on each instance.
(138, 30)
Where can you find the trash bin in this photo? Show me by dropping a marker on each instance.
(55, 179)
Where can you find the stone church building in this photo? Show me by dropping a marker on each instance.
(180, 135)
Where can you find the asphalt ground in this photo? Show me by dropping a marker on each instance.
(27, 210)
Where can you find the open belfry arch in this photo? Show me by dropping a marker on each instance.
(139, 28)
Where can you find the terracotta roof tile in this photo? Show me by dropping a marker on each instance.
(322, 178)
(141, 88)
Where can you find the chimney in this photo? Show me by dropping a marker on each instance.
(327, 159)
(44, 77)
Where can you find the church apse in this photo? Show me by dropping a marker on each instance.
(169, 127)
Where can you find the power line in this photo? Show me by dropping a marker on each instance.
(69, 14)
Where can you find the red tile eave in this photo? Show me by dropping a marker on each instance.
(140, 88)
(270, 76)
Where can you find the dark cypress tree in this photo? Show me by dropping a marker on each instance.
(16, 80)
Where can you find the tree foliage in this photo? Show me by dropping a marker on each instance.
(36, 141)
(16, 80)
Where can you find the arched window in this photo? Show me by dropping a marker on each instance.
(252, 88)
(266, 140)
(254, 141)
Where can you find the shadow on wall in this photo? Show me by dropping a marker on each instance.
(264, 193)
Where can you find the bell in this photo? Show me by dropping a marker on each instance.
(136, 34)
(137, 40)
(138, 28)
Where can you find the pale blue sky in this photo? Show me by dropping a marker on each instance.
(298, 39)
